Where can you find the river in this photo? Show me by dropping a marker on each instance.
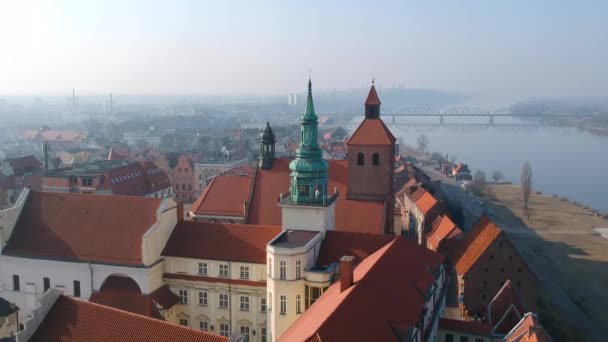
(565, 160)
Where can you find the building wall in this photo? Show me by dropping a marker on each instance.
(499, 263)
(368, 181)
(414, 219)
(203, 172)
(254, 318)
(155, 239)
(182, 178)
(9, 325)
(9, 216)
(461, 336)
(316, 218)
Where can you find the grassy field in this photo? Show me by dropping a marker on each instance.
(557, 240)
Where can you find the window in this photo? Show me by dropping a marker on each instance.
(244, 272)
(264, 335)
(203, 325)
(224, 270)
(298, 305)
(76, 288)
(269, 300)
(189, 186)
(202, 268)
(283, 305)
(47, 283)
(183, 321)
(87, 182)
(449, 338)
(269, 267)
(464, 339)
(311, 294)
(224, 329)
(200, 176)
(479, 340)
(282, 270)
(16, 285)
(179, 169)
(375, 159)
(298, 269)
(263, 305)
(202, 298)
(223, 300)
(244, 303)
(245, 332)
(360, 159)
(183, 186)
(183, 296)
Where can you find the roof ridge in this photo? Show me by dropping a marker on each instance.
(75, 194)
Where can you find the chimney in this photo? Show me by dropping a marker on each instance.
(347, 267)
(180, 211)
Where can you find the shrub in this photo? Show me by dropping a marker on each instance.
(563, 199)
(554, 195)
(539, 192)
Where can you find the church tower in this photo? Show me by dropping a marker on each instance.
(371, 155)
(308, 206)
(267, 143)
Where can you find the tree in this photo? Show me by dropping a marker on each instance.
(453, 159)
(480, 177)
(423, 143)
(479, 182)
(526, 182)
(497, 176)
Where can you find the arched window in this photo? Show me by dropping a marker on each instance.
(360, 159)
(376, 159)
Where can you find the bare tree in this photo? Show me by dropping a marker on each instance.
(479, 183)
(497, 176)
(423, 143)
(526, 182)
(453, 159)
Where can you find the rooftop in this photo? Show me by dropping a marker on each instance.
(78, 227)
(372, 132)
(213, 201)
(75, 320)
(293, 238)
(475, 243)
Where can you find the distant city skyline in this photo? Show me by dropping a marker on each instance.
(511, 49)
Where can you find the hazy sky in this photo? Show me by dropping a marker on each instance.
(523, 48)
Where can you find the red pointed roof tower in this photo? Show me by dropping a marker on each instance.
(372, 104)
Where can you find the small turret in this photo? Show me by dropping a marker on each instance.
(267, 144)
(372, 104)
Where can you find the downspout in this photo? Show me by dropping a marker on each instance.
(91, 273)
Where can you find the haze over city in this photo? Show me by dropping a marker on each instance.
(513, 49)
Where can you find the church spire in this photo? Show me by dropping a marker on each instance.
(308, 169)
(267, 144)
(372, 104)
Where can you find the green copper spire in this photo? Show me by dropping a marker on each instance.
(309, 169)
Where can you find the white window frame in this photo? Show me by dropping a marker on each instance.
(203, 298)
(203, 325)
(202, 268)
(244, 303)
(298, 305)
(283, 306)
(282, 270)
(183, 296)
(298, 269)
(224, 271)
(184, 322)
(224, 300)
(263, 305)
(244, 272)
(224, 329)
(264, 335)
(245, 331)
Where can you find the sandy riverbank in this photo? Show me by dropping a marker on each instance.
(558, 241)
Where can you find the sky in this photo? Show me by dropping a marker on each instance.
(540, 48)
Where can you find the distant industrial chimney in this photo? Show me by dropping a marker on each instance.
(45, 152)
(111, 103)
(73, 97)
(347, 268)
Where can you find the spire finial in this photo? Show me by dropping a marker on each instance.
(373, 80)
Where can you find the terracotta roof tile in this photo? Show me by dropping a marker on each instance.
(55, 135)
(528, 330)
(372, 97)
(214, 200)
(474, 328)
(336, 316)
(351, 215)
(475, 243)
(77, 227)
(25, 164)
(75, 320)
(501, 305)
(123, 293)
(426, 202)
(360, 245)
(229, 281)
(372, 132)
(444, 229)
(220, 241)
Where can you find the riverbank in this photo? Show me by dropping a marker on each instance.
(570, 259)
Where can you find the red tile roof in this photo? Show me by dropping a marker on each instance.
(469, 327)
(24, 164)
(372, 97)
(426, 202)
(445, 229)
(351, 215)
(360, 245)
(55, 135)
(214, 200)
(506, 301)
(75, 320)
(221, 280)
(79, 227)
(220, 241)
(338, 316)
(475, 243)
(528, 330)
(372, 132)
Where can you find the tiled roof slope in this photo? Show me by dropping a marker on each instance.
(23, 164)
(372, 132)
(470, 327)
(220, 241)
(360, 245)
(74, 320)
(475, 243)
(86, 228)
(501, 304)
(444, 230)
(351, 215)
(528, 330)
(426, 202)
(225, 195)
(363, 311)
(372, 97)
